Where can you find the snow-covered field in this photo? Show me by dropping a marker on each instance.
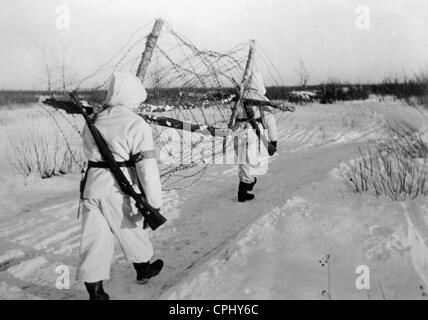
(217, 248)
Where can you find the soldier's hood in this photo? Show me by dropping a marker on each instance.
(125, 89)
(256, 89)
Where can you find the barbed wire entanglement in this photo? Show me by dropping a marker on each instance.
(184, 83)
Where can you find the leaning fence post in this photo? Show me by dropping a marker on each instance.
(244, 84)
(149, 49)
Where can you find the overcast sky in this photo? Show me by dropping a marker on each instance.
(322, 33)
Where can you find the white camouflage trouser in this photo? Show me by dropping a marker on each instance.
(269, 122)
(252, 155)
(104, 219)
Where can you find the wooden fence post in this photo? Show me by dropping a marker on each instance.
(244, 84)
(150, 47)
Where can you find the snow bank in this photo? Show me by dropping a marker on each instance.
(277, 256)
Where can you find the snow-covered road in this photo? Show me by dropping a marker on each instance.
(213, 246)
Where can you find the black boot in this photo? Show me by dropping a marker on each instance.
(251, 185)
(96, 291)
(273, 148)
(147, 270)
(243, 194)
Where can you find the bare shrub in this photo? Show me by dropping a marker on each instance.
(413, 90)
(395, 166)
(44, 155)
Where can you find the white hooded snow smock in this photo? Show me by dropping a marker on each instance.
(126, 134)
(252, 154)
(106, 212)
(257, 91)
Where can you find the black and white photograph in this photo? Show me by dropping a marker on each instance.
(201, 150)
